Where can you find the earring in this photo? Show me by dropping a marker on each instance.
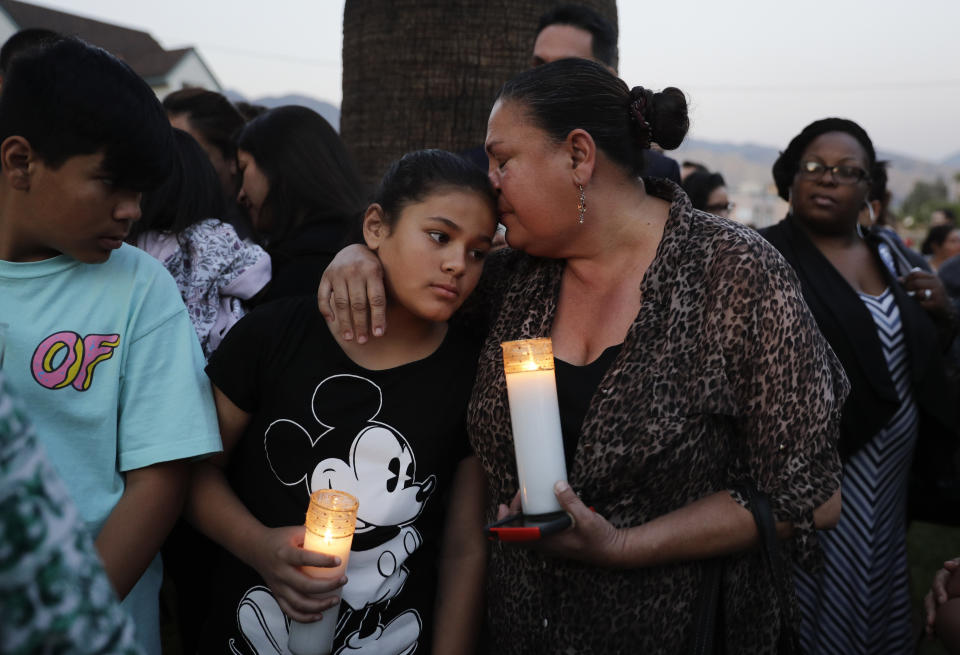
(581, 205)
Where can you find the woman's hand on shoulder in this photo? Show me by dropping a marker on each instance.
(278, 557)
(591, 538)
(351, 294)
(940, 592)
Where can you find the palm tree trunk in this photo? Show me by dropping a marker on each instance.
(424, 73)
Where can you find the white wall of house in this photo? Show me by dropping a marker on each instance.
(7, 27)
(189, 71)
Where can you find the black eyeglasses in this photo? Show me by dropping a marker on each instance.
(814, 170)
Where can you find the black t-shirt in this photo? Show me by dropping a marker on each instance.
(391, 438)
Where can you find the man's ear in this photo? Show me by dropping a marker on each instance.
(375, 228)
(16, 155)
(582, 150)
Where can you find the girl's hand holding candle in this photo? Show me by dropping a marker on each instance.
(279, 558)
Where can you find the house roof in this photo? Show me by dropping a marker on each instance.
(136, 47)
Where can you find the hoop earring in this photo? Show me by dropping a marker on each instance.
(581, 205)
(870, 212)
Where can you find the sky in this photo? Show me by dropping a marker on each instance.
(755, 71)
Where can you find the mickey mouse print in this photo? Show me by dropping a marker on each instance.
(356, 453)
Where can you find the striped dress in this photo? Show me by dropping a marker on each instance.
(860, 603)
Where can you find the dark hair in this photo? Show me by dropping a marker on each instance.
(210, 114)
(604, 41)
(936, 236)
(878, 182)
(787, 164)
(70, 98)
(569, 94)
(311, 176)
(418, 174)
(879, 192)
(190, 193)
(699, 185)
(948, 213)
(23, 41)
(249, 111)
(695, 165)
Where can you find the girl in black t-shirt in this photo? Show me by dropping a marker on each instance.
(300, 408)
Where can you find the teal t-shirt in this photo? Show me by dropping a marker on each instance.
(106, 360)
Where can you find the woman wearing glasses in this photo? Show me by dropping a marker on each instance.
(889, 327)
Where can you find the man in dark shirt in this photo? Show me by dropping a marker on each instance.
(577, 31)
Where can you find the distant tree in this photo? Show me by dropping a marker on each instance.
(424, 73)
(924, 198)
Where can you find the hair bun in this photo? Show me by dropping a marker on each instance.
(641, 103)
(668, 118)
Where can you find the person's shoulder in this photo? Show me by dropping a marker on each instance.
(132, 261)
(726, 235)
(291, 307)
(278, 318)
(138, 278)
(730, 247)
(657, 164)
(275, 332)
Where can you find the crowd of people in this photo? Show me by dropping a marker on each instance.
(205, 317)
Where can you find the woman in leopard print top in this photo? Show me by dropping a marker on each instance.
(721, 376)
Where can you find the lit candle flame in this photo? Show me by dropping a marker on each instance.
(530, 364)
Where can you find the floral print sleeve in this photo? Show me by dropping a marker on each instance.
(54, 593)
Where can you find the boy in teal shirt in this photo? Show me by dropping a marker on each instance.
(99, 344)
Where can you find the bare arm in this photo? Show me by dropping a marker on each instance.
(136, 528)
(711, 526)
(462, 564)
(275, 553)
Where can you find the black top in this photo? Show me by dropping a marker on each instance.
(299, 260)
(849, 328)
(575, 388)
(392, 438)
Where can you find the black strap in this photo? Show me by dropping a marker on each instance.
(759, 504)
(707, 624)
(708, 637)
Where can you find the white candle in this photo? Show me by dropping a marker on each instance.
(535, 417)
(330, 523)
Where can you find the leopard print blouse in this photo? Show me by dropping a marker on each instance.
(723, 376)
